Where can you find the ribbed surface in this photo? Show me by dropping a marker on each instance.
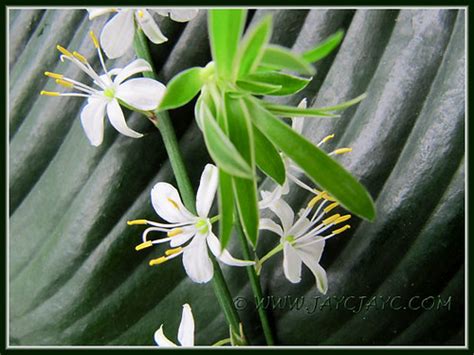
(74, 275)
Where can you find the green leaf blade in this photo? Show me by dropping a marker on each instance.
(267, 157)
(182, 89)
(325, 48)
(289, 84)
(323, 170)
(277, 57)
(257, 88)
(290, 111)
(226, 207)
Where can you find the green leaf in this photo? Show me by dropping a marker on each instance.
(245, 190)
(323, 170)
(257, 88)
(325, 48)
(225, 30)
(278, 58)
(226, 207)
(252, 47)
(290, 84)
(221, 149)
(343, 105)
(182, 89)
(291, 111)
(267, 157)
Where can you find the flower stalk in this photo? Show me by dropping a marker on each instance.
(164, 125)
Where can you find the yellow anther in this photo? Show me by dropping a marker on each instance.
(157, 261)
(49, 93)
(80, 57)
(331, 207)
(94, 39)
(325, 139)
(144, 245)
(173, 251)
(173, 203)
(331, 219)
(137, 221)
(342, 229)
(140, 13)
(328, 197)
(315, 199)
(64, 83)
(342, 151)
(175, 232)
(53, 75)
(342, 219)
(64, 51)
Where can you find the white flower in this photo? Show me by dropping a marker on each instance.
(185, 331)
(140, 93)
(184, 226)
(291, 169)
(117, 35)
(302, 240)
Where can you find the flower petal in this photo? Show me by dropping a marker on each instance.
(99, 11)
(117, 35)
(291, 263)
(162, 340)
(310, 255)
(207, 190)
(187, 233)
(92, 120)
(116, 118)
(297, 123)
(142, 93)
(149, 27)
(167, 204)
(300, 227)
(269, 197)
(268, 224)
(137, 66)
(196, 260)
(284, 213)
(224, 255)
(186, 327)
(179, 15)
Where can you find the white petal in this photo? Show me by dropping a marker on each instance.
(310, 256)
(300, 227)
(183, 15)
(142, 93)
(196, 260)
(162, 340)
(269, 198)
(99, 11)
(116, 118)
(186, 327)
(297, 123)
(117, 35)
(92, 120)
(137, 66)
(206, 190)
(268, 224)
(224, 255)
(167, 204)
(284, 212)
(149, 27)
(291, 263)
(187, 233)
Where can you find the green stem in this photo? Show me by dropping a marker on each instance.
(272, 252)
(163, 123)
(255, 284)
(222, 342)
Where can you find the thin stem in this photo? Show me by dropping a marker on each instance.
(255, 284)
(163, 123)
(272, 252)
(222, 342)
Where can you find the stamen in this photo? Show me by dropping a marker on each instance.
(331, 219)
(342, 229)
(140, 13)
(64, 51)
(331, 207)
(137, 222)
(64, 83)
(144, 245)
(342, 151)
(175, 232)
(342, 219)
(173, 251)
(325, 139)
(329, 197)
(49, 93)
(80, 57)
(53, 75)
(173, 203)
(94, 39)
(315, 199)
(157, 261)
